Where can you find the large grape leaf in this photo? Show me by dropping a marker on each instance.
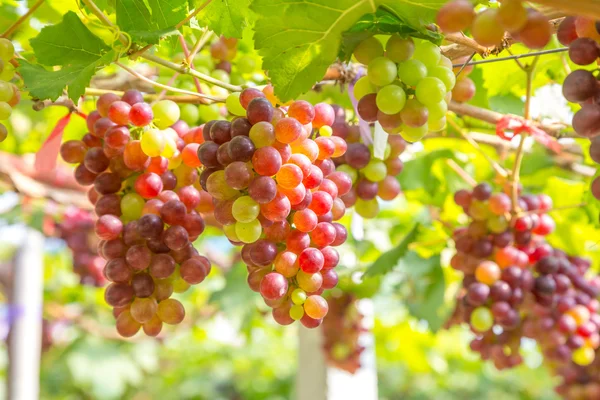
(415, 13)
(146, 21)
(226, 17)
(44, 84)
(69, 42)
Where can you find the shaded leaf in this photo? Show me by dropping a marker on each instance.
(388, 260)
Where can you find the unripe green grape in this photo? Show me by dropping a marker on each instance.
(7, 50)
(204, 60)
(262, 134)
(6, 91)
(443, 74)
(170, 148)
(245, 209)
(436, 125)
(428, 53)
(482, 319)
(209, 112)
(363, 87)
(437, 110)
(153, 142)
(390, 99)
(132, 205)
(298, 296)
(218, 188)
(166, 113)
(352, 173)
(8, 72)
(375, 171)
(367, 208)
(398, 49)
(382, 71)
(497, 224)
(430, 91)
(248, 232)
(486, 28)
(414, 134)
(190, 114)
(5, 110)
(411, 72)
(233, 104)
(221, 75)
(246, 65)
(296, 312)
(368, 50)
(237, 79)
(219, 91)
(229, 231)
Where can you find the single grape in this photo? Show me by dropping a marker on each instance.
(411, 72)
(367, 50)
(390, 99)
(486, 29)
(382, 71)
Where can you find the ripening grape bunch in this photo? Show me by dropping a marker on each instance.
(142, 162)
(76, 228)
(487, 27)
(341, 333)
(372, 178)
(9, 93)
(407, 87)
(277, 193)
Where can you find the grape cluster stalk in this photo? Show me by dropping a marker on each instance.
(141, 161)
(9, 92)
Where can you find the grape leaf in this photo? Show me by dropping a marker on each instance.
(146, 21)
(388, 260)
(45, 84)
(415, 13)
(300, 39)
(69, 42)
(226, 17)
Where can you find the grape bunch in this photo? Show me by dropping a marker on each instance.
(9, 93)
(372, 178)
(276, 192)
(341, 333)
(487, 27)
(407, 86)
(464, 90)
(143, 166)
(76, 228)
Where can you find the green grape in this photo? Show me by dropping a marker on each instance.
(443, 74)
(428, 53)
(6, 91)
(180, 285)
(153, 142)
(438, 110)
(430, 91)
(436, 125)
(246, 65)
(5, 110)
(7, 73)
(170, 148)
(482, 319)
(351, 172)
(398, 49)
(375, 170)
(390, 99)
(204, 60)
(363, 87)
(497, 224)
(367, 208)
(298, 296)
(219, 91)
(367, 50)
(296, 312)
(229, 231)
(220, 75)
(411, 72)
(237, 79)
(218, 188)
(245, 209)
(248, 232)
(209, 112)
(7, 50)
(414, 134)
(233, 104)
(190, 114)
(166, 113)
(382, 71)
(262, 134)
(132, 205)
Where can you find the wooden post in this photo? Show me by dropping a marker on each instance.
(316, 380)
(25, 338)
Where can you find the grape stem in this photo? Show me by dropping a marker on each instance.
(186, 52)
(515, 57)
(204, 38)
(529, 70)
(24, 17)
(461, 172)
(462, 67)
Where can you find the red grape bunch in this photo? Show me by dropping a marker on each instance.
(9, 93)
(341, 333)
(487, 27)
(372, 178)
(581, 86)
(276, 192)
(407, 86)
(76, 228)
(143, 176)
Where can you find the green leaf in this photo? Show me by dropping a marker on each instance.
(417, 172)
(415, 13)
(297, 47)
(507, 104)
(388, 260)
(146, 21)
(226, 17)
(44, 84)
(235, 296)
(68, 43)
